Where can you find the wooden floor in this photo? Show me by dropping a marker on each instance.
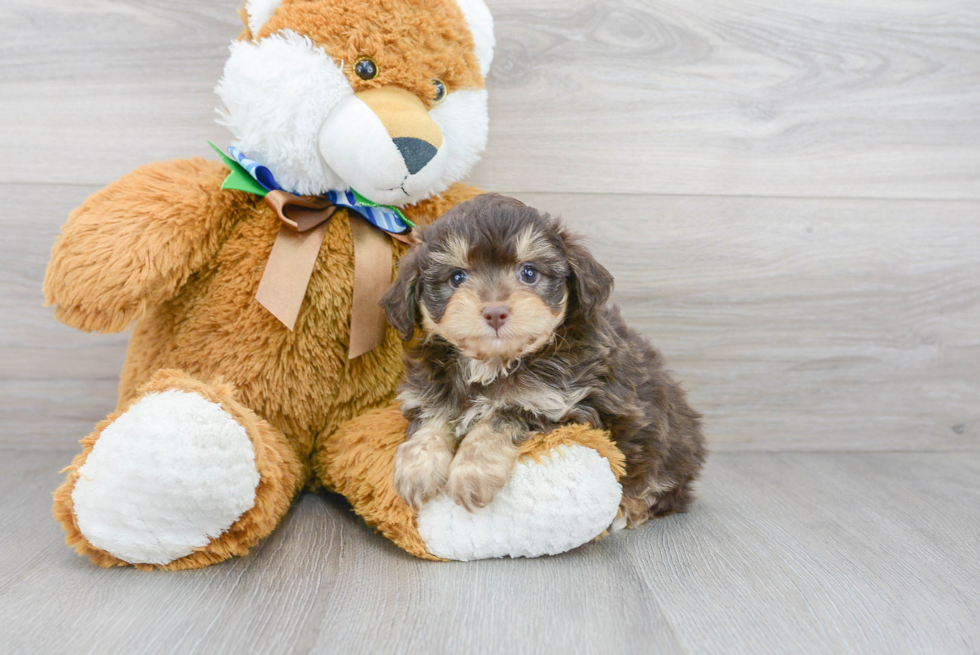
(784, 552)
(788, 194)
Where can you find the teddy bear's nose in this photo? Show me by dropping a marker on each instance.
(416, 152)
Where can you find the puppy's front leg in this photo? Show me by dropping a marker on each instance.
(422, 462)
(483, 463)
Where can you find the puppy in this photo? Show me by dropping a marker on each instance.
(517, 339)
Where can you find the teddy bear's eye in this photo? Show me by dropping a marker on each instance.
(366, 69)
(440, 91)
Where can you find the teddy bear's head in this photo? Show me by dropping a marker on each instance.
(385, 97)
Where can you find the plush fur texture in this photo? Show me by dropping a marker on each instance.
(258, 12)
(166, 248)
(169, 475)
(477, 15)
(166, 251)
(277, 93)
(517, 340)
(357, 462)
(480, 22)
(281, 476)
(465, 124)
(543, 509)
(293, 99)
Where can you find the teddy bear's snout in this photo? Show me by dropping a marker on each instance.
(385, 144)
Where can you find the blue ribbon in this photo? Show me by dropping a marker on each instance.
(384, 218)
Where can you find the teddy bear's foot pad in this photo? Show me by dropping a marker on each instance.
(167, 476)
(548, 507)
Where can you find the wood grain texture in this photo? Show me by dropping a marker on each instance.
(837, 98)
(840, 317)
(855, 98)
(801, 553)
(665, 132)
(803, 323)
(799, 324)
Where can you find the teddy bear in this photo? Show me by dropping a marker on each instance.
(260, 363)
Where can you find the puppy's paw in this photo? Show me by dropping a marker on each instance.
(475, 480)
(421, 470)
(633, 512)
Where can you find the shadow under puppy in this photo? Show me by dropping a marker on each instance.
(518, 338)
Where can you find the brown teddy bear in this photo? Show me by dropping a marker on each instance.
(252, 289)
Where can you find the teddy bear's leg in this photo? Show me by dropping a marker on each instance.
(563, 492)
(357, 461)
(182, 477)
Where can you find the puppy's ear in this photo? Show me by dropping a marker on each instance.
(589, 282)
(401, 300)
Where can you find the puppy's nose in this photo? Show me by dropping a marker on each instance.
(496, 316)
(416, 152)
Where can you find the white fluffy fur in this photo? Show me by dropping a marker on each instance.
(164, 478)
(480, 22)
(465, 123)
(259, 11)
(356, 145)
(291, 108)
(343, 142)
(544, 509)
(277, 94)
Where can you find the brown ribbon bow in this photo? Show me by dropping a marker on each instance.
(294, 254)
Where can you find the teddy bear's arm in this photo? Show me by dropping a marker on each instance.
(134, 243)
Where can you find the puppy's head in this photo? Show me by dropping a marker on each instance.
(495, 278)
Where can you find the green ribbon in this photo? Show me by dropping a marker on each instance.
(240, 179)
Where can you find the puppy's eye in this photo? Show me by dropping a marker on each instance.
(441, 92)
(457, 277)
(366, 69)
(529, 274)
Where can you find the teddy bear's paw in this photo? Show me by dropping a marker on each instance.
(165, 478)
(546, 507)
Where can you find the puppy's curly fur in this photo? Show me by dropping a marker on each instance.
(517, 339)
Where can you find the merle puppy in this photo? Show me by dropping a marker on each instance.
(517, 339)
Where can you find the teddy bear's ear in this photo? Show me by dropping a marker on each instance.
(480, 22)
(258, 12)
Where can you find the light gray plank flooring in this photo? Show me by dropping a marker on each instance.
(855, 98)
(791, 552)
(789, 196)
(795, 323)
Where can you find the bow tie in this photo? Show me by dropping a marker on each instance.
(294, 253)
(385, 217)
